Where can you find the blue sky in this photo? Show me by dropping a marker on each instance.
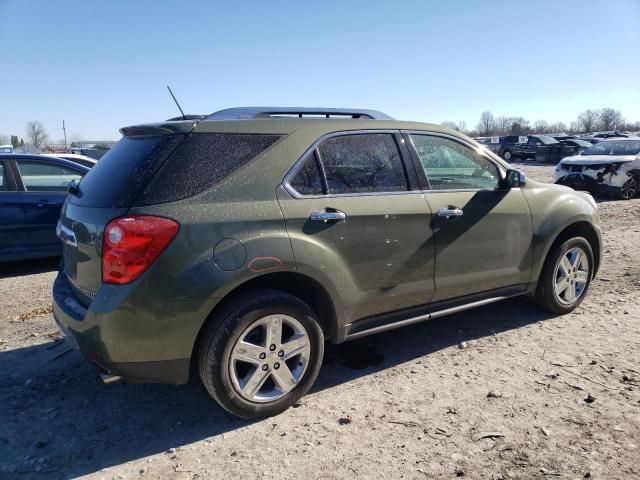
(103, 65)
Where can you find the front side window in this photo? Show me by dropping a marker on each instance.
(450, 165)
(46, 177)
(362, 163)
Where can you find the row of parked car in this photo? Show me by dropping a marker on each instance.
(32, 191)
(605, 162)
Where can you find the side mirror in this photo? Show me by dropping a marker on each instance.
(514, 179)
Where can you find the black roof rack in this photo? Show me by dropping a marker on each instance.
(247, 113)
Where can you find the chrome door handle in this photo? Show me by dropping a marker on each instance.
(450, 212)
(329, 216)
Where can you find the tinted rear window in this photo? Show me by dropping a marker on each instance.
(201, 161)
(308, 180)
(362, 163)
(116, 180)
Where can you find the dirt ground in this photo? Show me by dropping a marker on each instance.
(412, 403)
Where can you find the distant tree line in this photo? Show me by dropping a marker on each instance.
(592, 120)
(37, 136)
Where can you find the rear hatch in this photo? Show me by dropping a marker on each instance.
(151, 165)
(108, 191)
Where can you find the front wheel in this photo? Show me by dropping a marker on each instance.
(507, 155)
(261, 354)
(566, 276)
(629, 189)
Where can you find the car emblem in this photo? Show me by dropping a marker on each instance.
(66, 235)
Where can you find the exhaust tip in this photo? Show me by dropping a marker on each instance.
(109, 379)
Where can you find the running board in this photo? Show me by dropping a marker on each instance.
(422, 318)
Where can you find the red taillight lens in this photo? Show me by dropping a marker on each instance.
(131, 245)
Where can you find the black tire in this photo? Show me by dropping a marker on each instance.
(224, 329)
(507, 155)
(629, 189)
(545, 294)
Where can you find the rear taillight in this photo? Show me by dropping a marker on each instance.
(131, 244)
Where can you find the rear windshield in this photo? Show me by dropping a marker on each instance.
(200, 162)
(116, 180)
(147, 170)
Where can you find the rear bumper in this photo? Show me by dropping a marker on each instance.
(150, 342)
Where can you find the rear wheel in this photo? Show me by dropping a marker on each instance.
(261, 353)
(507, 155)
(566, 276)
(629, 189)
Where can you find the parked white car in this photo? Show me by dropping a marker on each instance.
(75, 158)
(609, 166)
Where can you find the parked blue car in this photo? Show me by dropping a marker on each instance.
(32, 191)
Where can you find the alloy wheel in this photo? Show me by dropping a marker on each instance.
(269, 358)
(571, 276)
(629, 189)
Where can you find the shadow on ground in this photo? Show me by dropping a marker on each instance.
(28, 267)
(58, 418)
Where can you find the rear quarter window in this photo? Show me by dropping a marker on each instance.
(202, 161)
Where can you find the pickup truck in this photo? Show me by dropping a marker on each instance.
(540, 147)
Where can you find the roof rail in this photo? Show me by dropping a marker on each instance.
(247, 113)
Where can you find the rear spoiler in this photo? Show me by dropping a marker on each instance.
(165, 128)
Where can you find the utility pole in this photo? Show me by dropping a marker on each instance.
(65, 136)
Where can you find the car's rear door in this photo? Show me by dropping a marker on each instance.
(45, 186)
(483, 234)
(355, 220)
(13, 232)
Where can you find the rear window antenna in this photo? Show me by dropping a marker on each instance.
(174, 99)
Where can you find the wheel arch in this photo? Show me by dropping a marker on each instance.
(299, 285)
(580, 228)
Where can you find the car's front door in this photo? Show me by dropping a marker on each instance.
(13, 232)
(483, 233)
(355, 220)
(45, 186)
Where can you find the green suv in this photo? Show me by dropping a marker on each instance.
(238, 243)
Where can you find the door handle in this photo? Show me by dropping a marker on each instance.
(328, 216)
(44, 203)
(450, 212)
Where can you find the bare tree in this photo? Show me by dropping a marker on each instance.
(503, 125)
(587, 120)
(574, 128)
(557, 127)
(610, 119)
(520, 126)
(462, 126)
(450, 124)
(541, 126)
(36, 134)
(487, 123)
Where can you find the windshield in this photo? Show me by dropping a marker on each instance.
(624, 147)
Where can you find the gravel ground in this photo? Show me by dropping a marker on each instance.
(503, 391)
